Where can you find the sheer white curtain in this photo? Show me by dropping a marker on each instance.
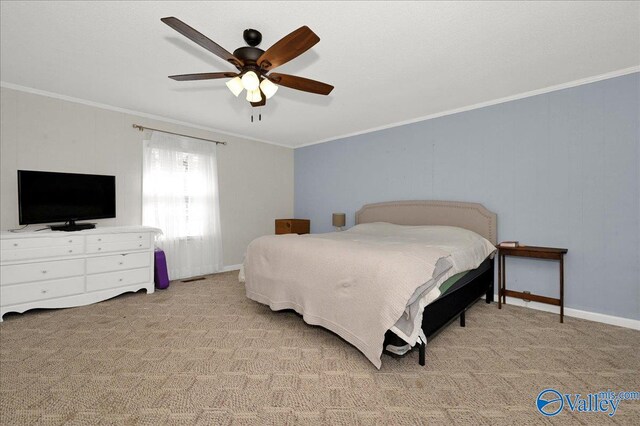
(180, 196)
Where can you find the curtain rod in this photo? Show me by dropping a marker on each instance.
(142, 128)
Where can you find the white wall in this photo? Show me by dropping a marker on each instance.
(44, 133)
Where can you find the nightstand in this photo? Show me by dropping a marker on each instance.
(292, 226)
(549, 253)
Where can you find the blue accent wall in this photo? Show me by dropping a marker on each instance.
(560, 169)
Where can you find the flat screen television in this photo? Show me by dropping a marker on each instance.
(46, 197)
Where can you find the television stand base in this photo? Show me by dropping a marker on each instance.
(70, 227)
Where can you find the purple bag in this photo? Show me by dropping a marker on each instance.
(160, 275)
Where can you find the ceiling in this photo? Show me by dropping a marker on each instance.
(390, 62)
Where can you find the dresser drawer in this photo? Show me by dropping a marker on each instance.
(120, 245)
(292, 226)
(118, 262)
(40, 271)
(40, 252)
(23, 293)
(117, 279)
(116, 238)
(44, 242)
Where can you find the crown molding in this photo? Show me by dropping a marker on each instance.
(31, 90)
(574, 83)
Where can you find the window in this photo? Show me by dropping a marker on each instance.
(180, 196)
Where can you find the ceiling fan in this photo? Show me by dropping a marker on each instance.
(254, 64)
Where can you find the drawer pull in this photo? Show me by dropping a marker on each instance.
(99, 248)
(70, 251)
(139, 245)
(15, 244)
(140, 236)
(120, 263)
(120, 279)
(43, 291)
(44, 272)
(70, 241)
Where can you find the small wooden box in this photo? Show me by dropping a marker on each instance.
(292, 226)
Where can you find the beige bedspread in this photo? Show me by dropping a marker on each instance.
(359, 283)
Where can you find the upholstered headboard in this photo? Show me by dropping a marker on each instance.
(472, 216)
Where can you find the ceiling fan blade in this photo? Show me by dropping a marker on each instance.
(203, 76)
(289, 47)
(201, 39)
(300, 83)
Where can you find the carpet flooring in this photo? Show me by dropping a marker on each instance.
(201, 353)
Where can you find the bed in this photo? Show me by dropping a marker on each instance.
(473, 285)
(381, 278)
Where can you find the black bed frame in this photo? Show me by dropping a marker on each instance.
(451, 305)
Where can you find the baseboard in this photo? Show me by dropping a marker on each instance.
(575, 313)
(231, 268)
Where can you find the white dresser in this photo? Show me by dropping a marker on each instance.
(52, 269)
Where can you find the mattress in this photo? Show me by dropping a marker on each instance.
(451, 281)
(463, 278)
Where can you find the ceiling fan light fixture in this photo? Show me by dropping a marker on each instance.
(268, 88)
(250, 81)
(235, 85)
(254, 95)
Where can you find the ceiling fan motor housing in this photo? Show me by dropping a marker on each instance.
(248, 55)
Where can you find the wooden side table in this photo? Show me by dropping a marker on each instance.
(292, 226)
(550, 253)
